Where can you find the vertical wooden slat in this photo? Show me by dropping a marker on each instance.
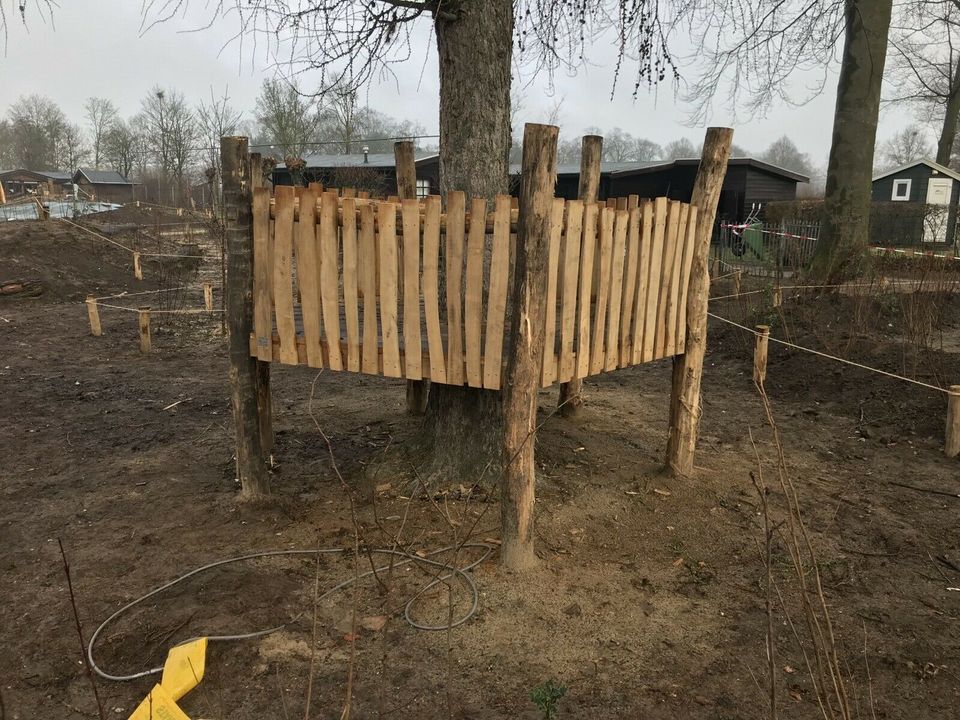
(621, 204)
(262, 302)
(597, 346)
(549, 374)
(653, 278)
(633, 201)
(368, 283)
(473, 305)
(431, 288)
(497, 294)
(412, 343)
(688, 248)
(673, 305)
(588, 249)
(308, 277)
(330, 279)
(571, 272)
(387, 240)
(456, 210)
(627, 332)
(351, 283)
(616, 289)
(282, 275)
(643, 282)
(349, 193)
(666, 277)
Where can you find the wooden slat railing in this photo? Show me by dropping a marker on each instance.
(354, 284)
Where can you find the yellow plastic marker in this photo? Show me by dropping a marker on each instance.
(158, 705)
(183, 670)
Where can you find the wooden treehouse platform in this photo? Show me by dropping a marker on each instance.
(368, 273)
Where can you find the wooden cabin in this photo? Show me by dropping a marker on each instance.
(104, 186)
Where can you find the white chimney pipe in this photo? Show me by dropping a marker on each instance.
(366, 155)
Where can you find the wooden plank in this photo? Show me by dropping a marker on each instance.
(616, 289)
(666, 277)
(370, 360)
(588, 249)
(643, 282)
(597, 344)
(349, 193)
(431, 288)
(308, 278)
(262, 275)
(351, 310)
(633, 201)
(282, 274)
(571, 271)
(688, 249)
(549, 373)
(330, 278)
(387, 240)
(410, 209)
(621, 204)
(455, 217)
(473, 298)
(673, 305)
(653, 278)
(497, 294)
(628, 304)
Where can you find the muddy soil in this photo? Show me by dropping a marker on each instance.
(649, 597)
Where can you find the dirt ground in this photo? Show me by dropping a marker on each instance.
(649, 598)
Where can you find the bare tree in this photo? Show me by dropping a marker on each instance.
(286, 117)
(215, 120)
(906, 146)
(343, 118)
(100, 114)
(925, 65)
(37, 125)
(171, 133)
(40, 8)
(677, 149)
(121, 146)
(784, 153)
(70, 149)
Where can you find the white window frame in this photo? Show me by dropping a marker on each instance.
(423, 188)
(904, 183)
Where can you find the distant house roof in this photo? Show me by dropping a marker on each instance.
(101, 177)
(58, 176)
(354, 160)
(623, 169)
(942, 169)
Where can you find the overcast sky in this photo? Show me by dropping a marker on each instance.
(98, 48)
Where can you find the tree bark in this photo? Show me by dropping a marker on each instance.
(688, 368)
(591, 154)
(948, 131)
(525, 358)
(251, 469)
(462, 426)
(845, 227)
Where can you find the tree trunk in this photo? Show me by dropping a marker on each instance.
(462, 426)
(948, 131)
(845, 227)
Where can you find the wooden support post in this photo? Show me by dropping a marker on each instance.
(3, 195)
(417, 390)
(137, 267)
(208, 297)
(264, 396)
(571, 393)
(760, 354)
(737, 283)
(688, 367)
(238, 293)
(951, 447)
(527, 332)
(94, 314)
(778, 296)
(143, 320)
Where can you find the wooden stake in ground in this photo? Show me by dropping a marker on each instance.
(571, 393)
(417, 390)
(137, 267)
(208, 297)
(951, 447)
(737, 283)
(94, 314)
(688, 367)
(238, 294)
(760, 354)
(143, 321)
(264, 397)
(525, 359)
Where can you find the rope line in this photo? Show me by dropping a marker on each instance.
(149, 292)
(832, 357)
(96, 234)
(182, 311)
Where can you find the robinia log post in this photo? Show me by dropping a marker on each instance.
(143, 321)
(760, 354)
(525, 359)
(93, 312)
(571, 393)
(137, 267)
(238, 296)
(417, 390)
(208, 297)
(688, 367)
(951, 447)
(264, 397)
